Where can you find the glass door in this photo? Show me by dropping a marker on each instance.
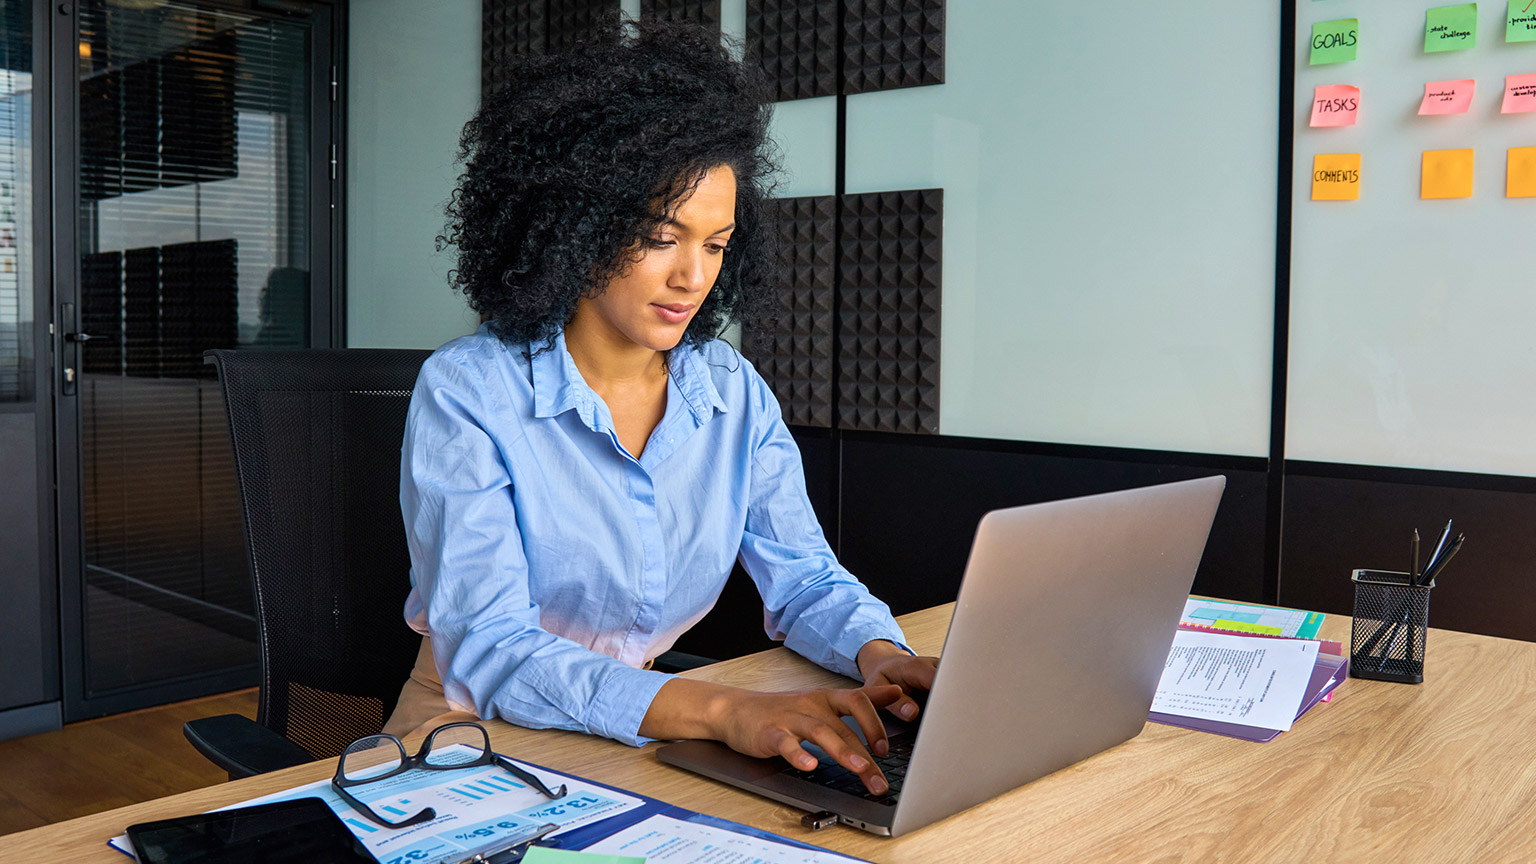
(202, 189)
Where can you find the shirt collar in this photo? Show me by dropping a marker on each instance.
(558, 386)
(690, 372)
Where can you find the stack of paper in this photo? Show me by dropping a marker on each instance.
(1247, 686)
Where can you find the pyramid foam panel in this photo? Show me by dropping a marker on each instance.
(795, 42)
(888, 311)
(704, 12)
(793, 352)
(890, 44)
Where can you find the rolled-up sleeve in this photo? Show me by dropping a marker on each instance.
(470, 574)
(810, 600)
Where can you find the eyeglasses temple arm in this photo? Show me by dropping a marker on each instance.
(529, 778)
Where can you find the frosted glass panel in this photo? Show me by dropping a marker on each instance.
(806, 133)
(413, 81)
(1109, 196)
(1410, 319)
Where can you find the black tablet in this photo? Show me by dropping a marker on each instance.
(302, 830)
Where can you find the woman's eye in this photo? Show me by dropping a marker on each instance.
(658, 242)
(716, 248)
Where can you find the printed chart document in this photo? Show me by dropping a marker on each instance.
(665, 840)
(1250, 618)
(476, 807)
(1236, 679)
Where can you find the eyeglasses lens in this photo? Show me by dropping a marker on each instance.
(371, 757)
(456, 745)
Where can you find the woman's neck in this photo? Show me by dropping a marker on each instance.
(608, 365)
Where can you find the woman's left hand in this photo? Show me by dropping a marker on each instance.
(881, 663)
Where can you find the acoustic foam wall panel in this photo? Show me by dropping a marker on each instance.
(569, 20)
(890, 44)
(888, 311)
(705, 12)
(509, 28)
(795, 42)
(794, 352)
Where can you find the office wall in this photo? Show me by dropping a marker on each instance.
(1118, 207)
(413, 79)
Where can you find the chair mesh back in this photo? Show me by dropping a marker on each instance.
(317, 452)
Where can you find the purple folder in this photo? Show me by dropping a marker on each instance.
(1327, 672)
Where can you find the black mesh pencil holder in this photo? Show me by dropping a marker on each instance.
(1391, 619)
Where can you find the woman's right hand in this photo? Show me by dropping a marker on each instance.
(775, 724)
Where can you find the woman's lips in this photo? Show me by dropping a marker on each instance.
(673, 313)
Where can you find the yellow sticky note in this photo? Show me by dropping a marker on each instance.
(1521, 182)
(1336, 177)
(1446, 174)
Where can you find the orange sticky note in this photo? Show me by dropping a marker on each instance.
(1336, 177)
(1335, 105)
(1447, 97)
(1446, 174)
(1519, 94)
(1521, 182)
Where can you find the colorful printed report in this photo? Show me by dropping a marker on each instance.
(1251, 618)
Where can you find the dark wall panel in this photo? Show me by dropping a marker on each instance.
(1336, 524)
(910, 508)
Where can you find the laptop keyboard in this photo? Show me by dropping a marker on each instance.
(834, 776)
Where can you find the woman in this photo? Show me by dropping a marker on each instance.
(579, 474)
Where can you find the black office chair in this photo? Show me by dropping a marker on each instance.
(317, 454)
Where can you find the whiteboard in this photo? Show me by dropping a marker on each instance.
(1109, 173)
(1410, 329)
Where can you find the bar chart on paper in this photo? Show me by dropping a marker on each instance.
(1250, 618)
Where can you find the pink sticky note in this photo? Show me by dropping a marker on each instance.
(1335, 105)
(1447, 97)
(1519, 94)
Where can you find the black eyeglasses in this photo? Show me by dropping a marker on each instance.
(447, 748)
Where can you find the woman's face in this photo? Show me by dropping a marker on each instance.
(651, 303)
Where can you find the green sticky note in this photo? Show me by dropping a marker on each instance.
(1521, 23)
(1334, 41)
(546, 855)
(1450, 28)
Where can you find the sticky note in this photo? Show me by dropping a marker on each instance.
(1519, 94)
(1448, 97)
(1520, 22)
(1446, 174)
(1336, 177)
(1334, 41)
(1335, 105)
(1450, 28)
(1521, 182)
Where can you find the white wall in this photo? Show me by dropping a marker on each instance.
(413, 80)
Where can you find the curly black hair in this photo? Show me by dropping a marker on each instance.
(585, 152)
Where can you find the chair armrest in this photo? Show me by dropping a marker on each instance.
(678, 661)
(242, 746)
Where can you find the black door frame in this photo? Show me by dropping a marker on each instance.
(327, 311)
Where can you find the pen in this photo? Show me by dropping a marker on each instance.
(1450, 552)
(1413, 563)
(1434, 558)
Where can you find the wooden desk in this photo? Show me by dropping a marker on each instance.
(1443, 771)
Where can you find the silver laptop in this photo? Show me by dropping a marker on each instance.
(1063, 624)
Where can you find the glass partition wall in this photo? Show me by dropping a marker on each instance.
(195, 230)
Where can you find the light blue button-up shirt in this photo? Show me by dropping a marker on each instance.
(548, 564)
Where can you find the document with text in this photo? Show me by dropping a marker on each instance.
(1236, 679)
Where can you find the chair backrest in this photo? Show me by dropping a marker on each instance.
(317, 452)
